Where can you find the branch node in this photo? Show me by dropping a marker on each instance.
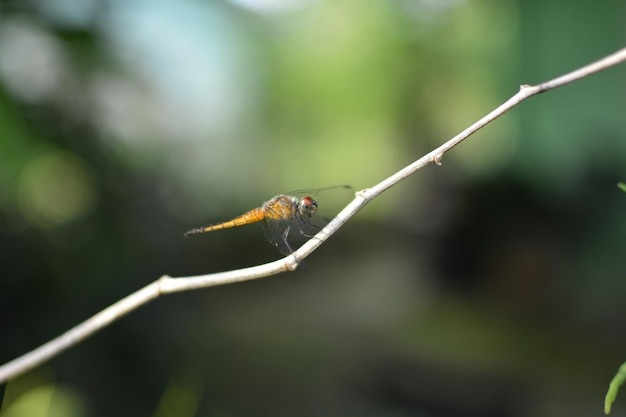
(437, 159)
(362, 193)
(161, 280)
(292, 263)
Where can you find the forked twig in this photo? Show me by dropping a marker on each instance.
(166, 284)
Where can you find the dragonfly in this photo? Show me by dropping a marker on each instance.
(289, 219)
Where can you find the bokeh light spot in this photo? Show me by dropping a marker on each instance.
(31, 61)
(55, 188)
(273, 6)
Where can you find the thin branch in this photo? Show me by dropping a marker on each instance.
(166, 284)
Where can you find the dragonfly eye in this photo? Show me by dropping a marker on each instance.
(307, 207)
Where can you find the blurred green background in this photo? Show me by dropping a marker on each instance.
(490, 286)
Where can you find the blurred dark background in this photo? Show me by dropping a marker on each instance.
(490, 286)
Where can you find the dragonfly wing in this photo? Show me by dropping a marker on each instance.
(289, 235)
(277, 233)
(330, 201)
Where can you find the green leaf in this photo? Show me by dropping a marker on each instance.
(616, 382)
(622, 186)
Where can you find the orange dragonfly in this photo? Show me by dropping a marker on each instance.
(290, 219)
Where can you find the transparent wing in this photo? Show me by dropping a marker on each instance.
(287, 235)
(284, 235)
(330, 201)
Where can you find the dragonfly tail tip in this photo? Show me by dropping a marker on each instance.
(192, 232)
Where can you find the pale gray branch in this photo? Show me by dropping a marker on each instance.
(166, 284)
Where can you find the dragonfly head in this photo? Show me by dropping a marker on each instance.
(307, 207)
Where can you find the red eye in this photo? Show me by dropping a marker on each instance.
(308, 206)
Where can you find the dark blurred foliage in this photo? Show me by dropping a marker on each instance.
(490, 286)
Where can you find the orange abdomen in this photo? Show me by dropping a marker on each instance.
(252, 216)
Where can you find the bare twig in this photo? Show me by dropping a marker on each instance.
(166, 284)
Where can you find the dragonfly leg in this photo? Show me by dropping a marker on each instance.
(286, 241)
(291, 250)
(307, 225)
